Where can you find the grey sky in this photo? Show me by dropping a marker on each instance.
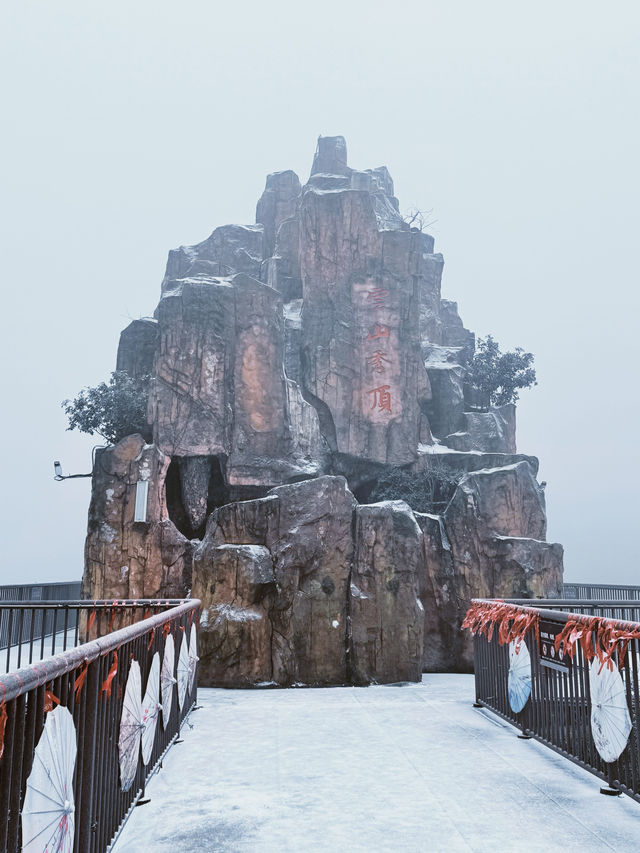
(132, 127)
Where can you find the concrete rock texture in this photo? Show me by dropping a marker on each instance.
(311, 344)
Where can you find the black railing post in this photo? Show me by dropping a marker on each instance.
(84, 820)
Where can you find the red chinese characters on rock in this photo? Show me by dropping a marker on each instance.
(378, 296)
(377, 361)
(381, 398)
(380, 331)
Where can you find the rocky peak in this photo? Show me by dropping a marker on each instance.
(285, 355)
(331, 156)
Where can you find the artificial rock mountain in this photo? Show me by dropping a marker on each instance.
(295, 364)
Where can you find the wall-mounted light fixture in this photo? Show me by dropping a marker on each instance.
(58, 475)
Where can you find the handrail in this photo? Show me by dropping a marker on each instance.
(550, 699)
(13, 684)
(84, 603)
(90, 680)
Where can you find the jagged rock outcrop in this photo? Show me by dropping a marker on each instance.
(387, 616)
(126, 557)
(311, 344)
(319, 589)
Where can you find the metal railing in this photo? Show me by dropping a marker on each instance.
(89, 680)
(599, 591)
(32, 592)
(628, 611)
(65, 625)
(558, 710)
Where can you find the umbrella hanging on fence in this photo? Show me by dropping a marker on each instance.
(151, 709)
(610, 720)
(167, 679)
(183, 671)
(48, 810)
(193, 655)
(131, 727)
(519, 681)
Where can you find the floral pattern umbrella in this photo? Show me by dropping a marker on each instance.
(131, 727)
(193, 656)
(48, 812)
(610, 720)
(183, 671)
(151, 709)
(167, 679)
(519, 680)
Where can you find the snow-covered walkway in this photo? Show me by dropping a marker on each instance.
(377, 769)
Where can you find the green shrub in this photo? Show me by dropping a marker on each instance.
(112, 410)
(496, 376)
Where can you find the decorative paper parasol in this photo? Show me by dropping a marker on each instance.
(167, 679)
(193, 655)
(610, 720)
(519, 675)
(151, 709)
(48, 811)
(131, 727)
(183, 671)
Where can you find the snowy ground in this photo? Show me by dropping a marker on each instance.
(377, 769)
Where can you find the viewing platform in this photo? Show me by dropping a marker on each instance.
(396, 768)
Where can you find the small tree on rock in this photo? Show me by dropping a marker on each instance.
(112, 410)
(497, 376)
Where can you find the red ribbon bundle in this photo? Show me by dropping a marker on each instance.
(598, 637)
(512, 621)
(113, 615)
(78, 684)
(3, 721)
(106, 684)
(92, 619)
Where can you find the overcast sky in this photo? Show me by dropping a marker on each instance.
(129, 128)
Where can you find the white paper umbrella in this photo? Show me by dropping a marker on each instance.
(167, 679)
(151, 709)
(610, 720)
(193, 655)
(183, 671)
(48, 811)
(131, 727)
(519, 680)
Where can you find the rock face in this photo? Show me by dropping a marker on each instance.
(126, 557)
(311, 344)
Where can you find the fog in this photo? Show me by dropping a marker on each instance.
(130, 128)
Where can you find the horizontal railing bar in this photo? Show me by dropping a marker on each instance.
(557, 615)
(617, 604)
(15, 683)
(602, 585)
(44, 584)
(84, 604)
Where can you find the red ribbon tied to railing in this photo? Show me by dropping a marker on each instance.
(106, 684)
(3, 720)
(512, 621)
(598, 637)
(78, 684)
(114, 604)
(49, 701)
(92, 619)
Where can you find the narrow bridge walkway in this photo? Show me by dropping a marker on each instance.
(402, 768)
